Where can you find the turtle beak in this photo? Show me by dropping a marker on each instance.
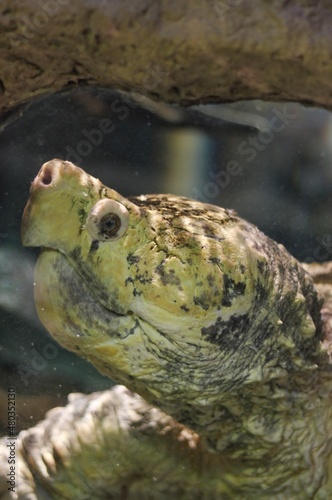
(35, 212)
(26, 226)
(49, 218)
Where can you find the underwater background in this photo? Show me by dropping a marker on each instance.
(271, 162)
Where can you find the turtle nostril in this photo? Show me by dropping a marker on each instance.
(46, 177)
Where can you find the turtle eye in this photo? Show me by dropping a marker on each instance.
(110, 225)
(107, 220)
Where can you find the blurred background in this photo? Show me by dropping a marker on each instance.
(271, 162)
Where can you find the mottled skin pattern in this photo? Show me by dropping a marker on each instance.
(200, 313)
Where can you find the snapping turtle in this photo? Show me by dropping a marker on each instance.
(197, 311)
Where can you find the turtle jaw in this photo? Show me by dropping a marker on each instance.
(114, 343)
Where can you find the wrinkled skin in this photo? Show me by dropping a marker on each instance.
(192, 307)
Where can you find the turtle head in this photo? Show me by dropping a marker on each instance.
(93, 226)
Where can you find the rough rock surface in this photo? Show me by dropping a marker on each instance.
(181, 52)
